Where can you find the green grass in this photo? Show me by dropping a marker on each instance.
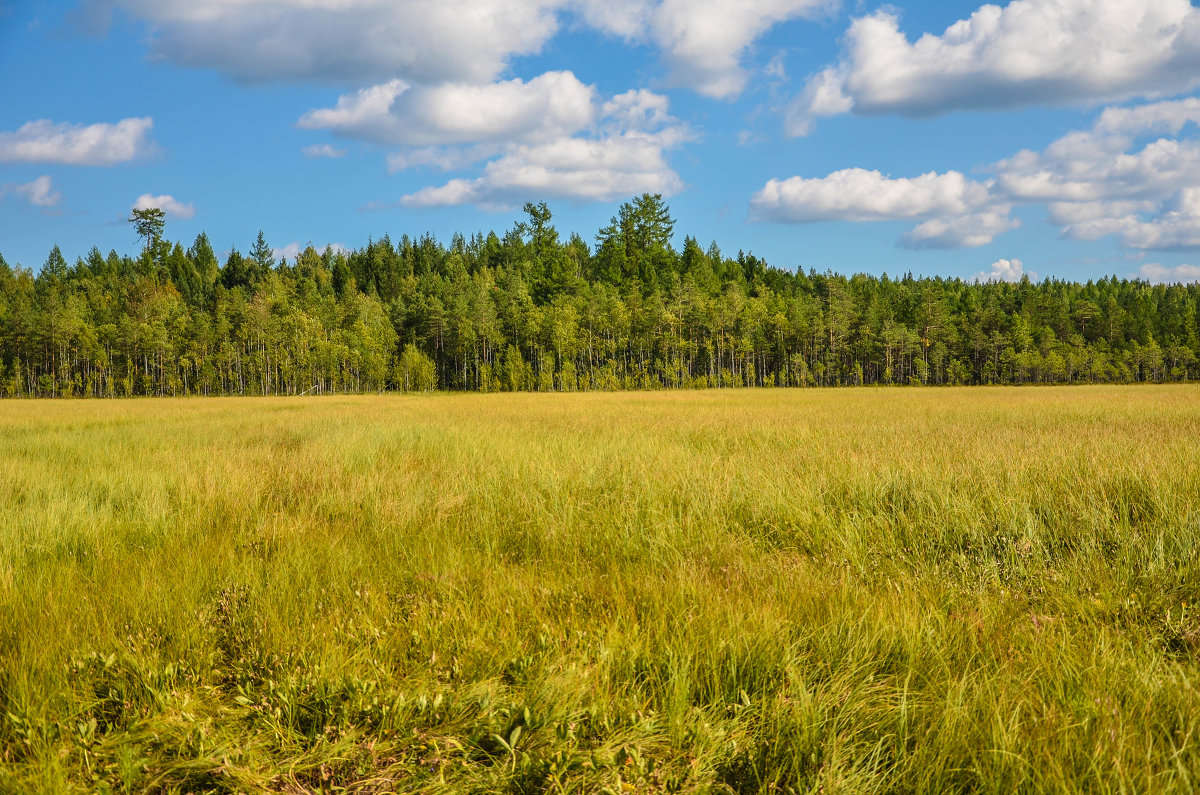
(975, 590)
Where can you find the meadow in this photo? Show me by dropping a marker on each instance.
(838, 591)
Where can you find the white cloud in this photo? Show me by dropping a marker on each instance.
(43, 141)
(446, 158)
(637, 109)
(592, 149)
(703, 41)
(1098, 183)
(1156, 117)
(39, 193)
(1030, 52)
(1116, 178)
(1077, 215)
(855, 194)
(167, 204)
(578, 169)
(346, 41)
(1175, 227)
(962, 231)
(323, 150)
(1085, 173)
(1180, 274)
(1166, 225)
(1094, 165)
(958, 212)
(551, 136)
(1005, 270)
(548, 106)
(293, 250)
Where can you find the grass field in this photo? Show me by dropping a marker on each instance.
(975, 590)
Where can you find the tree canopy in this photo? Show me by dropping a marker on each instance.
(526, 310)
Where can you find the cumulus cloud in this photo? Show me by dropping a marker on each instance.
(959, 212)
(961, 231)
(166, 203)
(1096, 164)
(578, 169)
(44, 141)
(1119, 177)
(346, 41)
(624, 153)
(548, 106)
(1098, 182)
(323, 150)
(1175, 227)
(40, 192)
(703, 41)
(855, 194)
(550, 136)
(1180, 274)
(1030, 52)
(1004, 270)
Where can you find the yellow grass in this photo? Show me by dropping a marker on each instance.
(874, 590)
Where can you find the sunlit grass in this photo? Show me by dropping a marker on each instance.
(840, 591)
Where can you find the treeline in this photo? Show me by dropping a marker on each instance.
(528, 311)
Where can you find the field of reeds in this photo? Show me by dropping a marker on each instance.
(859, 591)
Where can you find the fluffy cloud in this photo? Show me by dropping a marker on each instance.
(622, 154)
(323, 150)
(961, 231)
(346, 41)
(1116, 178)
(166, 203)
(43, 141)
(855, 194)
(1005, 270)
(546, 107)
(959, 213)
(1180, 274)
(1029, 52)
(1098, 182)
(1174, 227)
(702, 41)
(1088, 166)
(551, 136)
(579, 169)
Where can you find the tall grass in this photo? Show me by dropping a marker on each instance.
(983, 590)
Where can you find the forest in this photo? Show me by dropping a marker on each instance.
(528, 311)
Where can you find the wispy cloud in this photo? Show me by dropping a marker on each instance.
(40, 192)
(1160, 274)
(323, 150)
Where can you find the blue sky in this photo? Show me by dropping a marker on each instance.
(1051, 137)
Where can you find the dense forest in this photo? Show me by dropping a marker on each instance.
(528, 311)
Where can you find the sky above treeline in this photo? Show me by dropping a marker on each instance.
(1055, 138)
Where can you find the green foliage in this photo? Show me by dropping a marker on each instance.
(528, 311)
(149, 223)
(415, 372)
